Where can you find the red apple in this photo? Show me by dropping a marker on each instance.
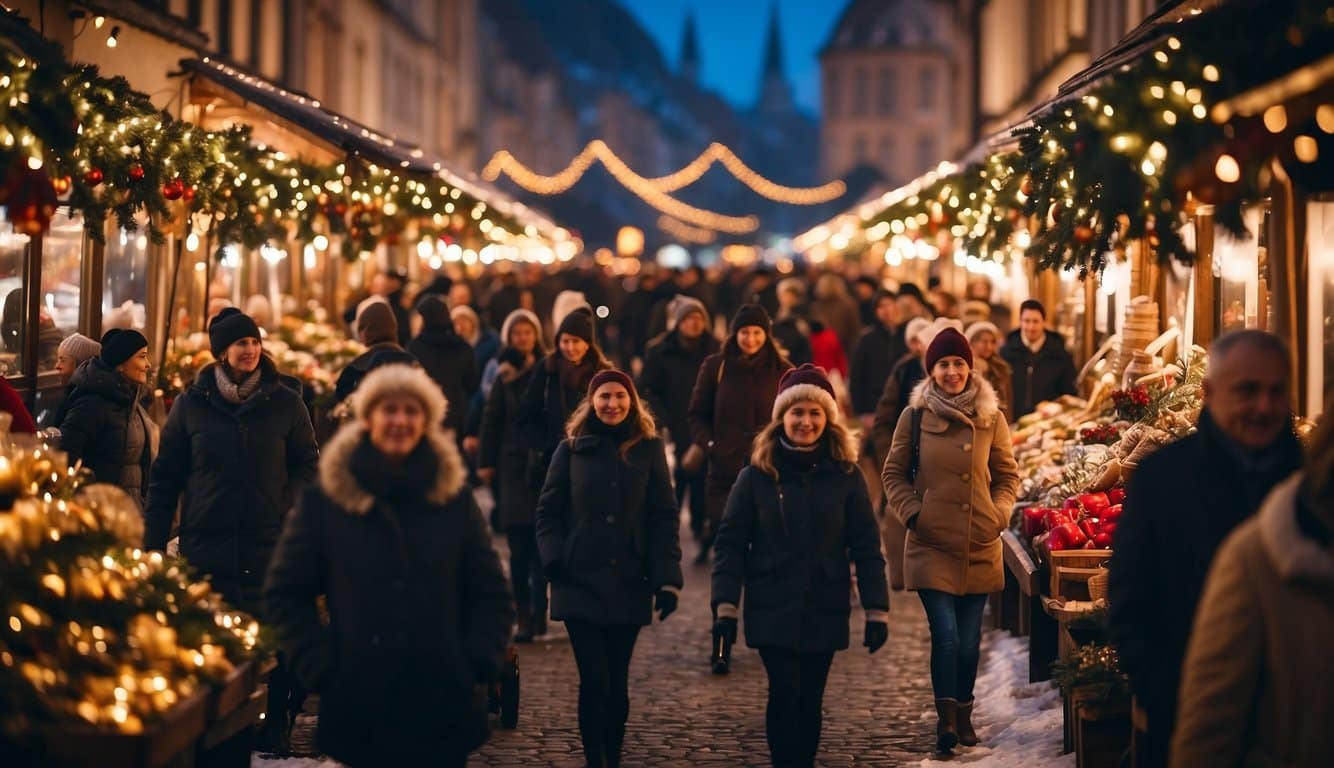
(1112, 513)
(1116, 495)
(1032, 521)
(1103, 540)
(1094, 503)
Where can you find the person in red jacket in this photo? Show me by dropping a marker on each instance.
(827, 350)
(12, 404)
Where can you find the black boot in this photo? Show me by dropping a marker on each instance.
(539, 623)
(523, 624)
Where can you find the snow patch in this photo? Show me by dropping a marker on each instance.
(1020, 723)
(293, 762)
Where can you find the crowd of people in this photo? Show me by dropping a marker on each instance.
(837, 428)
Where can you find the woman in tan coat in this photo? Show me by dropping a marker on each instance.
(954, 494)
(1258, 687)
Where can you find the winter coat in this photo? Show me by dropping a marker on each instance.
(547, 405)
(486, 347)
(235, 471)
(1181, 502)
(97, 424)
(873, 359)
(376, 355)
(841, 315)
(728, 408)
(788, 542)
(1037, 377)
(612, 525)
(967, 481)
(670, 368)
(1257, 687)
(827, 352)
(999, 375)
(794, 335)
(450, 363)
(502, 449)
(420, 611)
(905, 377)
(12, 403)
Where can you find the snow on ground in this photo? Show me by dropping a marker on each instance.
(1020, 723)
(292, 762)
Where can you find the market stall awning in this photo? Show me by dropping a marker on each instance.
(307, 113)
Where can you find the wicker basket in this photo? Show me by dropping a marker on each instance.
(1098, 586)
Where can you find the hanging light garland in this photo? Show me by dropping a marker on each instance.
(685, 233)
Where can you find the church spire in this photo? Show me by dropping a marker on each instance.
(689, 50)
(775, 91)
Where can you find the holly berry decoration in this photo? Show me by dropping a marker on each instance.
(93, 177)
(188, 194)
(174, 189)
(62, 184)
(136, 173)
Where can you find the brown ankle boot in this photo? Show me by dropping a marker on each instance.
(967, 736)
(947, 724)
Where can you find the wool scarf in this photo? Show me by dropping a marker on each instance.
(236, 393)
(961, 407)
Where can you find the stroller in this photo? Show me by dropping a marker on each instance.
(503, 694)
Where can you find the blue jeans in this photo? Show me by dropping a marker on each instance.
(956, 640)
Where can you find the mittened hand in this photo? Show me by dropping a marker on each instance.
(665, 603)
(877, 633)
(725, 628)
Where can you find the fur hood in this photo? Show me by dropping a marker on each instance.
(338, 483)
(1294, 555)
(987, 403)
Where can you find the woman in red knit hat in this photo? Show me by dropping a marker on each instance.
(953, 490)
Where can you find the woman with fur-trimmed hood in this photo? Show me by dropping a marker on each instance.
(954, 494)
(420, 610)
(796, 519)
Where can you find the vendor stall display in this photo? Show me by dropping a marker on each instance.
(105, 648)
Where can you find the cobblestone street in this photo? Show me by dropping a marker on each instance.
(683, 715)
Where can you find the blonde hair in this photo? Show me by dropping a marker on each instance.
(645, 427)
(842, 445)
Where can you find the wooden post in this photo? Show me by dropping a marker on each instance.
(1206, 289)
(1284, 255)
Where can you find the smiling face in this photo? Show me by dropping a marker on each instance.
(751, 339)
(1032, 325)
(1247, 393)
(136, 368)
(464, 325)
(573, 348)
(611, 403)
(950, 374)
(984, 345)
(242, 356)
(804, 423)
(396, 424)
(692, 325)
(523, 337)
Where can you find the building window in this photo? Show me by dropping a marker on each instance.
(926, 96)
(831, 96)
(926, 152)
(887, 92)
(861, 83)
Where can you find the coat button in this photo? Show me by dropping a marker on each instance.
(968, 448)
(965, 507)
(964, 477)
(611, 518)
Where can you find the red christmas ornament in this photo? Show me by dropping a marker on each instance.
(1054, 213)
(62, 184)
(340, 208)
(1083, 233)
(1026, 186)
(137, 173)
(30, 197)
(93, 177)
(1013, 215)
(188, 194)
(174, 189)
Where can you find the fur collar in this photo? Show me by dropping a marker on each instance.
(1295, 556)
(987, 403)
(341, 487)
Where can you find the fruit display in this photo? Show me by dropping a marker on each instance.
(1086, 521)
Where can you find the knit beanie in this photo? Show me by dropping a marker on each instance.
(792, 285)
(681, 307)
(751, 314)
(981, 327)
(228, 327)
(806, 382)
(399, 379)
(938, 325)
(434, 312)
(948, 343)
(520, 316)
(579, 324)
(119, 345)
(611, 375)
(915, 328)
(376, 322)
(565, 303)
(79, 347)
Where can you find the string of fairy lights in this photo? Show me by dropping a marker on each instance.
(655, 191)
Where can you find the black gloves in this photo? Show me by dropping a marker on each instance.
(553, 570)
(726, 629)
(877, 632)
(664, 603)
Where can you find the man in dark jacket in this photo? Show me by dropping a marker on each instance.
(236, 448)
(446, 358)
(1043, 369)
(873, 359)
(1181, 503)
(376, 328)
(671, 364)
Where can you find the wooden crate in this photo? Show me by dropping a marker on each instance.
(1071, 569)
(156, 746)
(234, 691)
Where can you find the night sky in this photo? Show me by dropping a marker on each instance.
(731, 40)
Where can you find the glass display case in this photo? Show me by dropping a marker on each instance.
(1319, 352)
(62, 269)
(1241, 271)
(13, 279)
(125, 292)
